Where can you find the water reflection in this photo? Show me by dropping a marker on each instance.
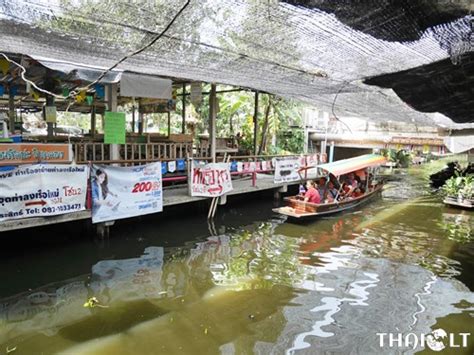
(267, 287)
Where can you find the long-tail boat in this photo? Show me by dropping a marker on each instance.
(297, 208)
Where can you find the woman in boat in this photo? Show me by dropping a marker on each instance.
(312, 194)
(322, 188)
(332, 192)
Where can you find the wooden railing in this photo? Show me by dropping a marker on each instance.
(131, 153)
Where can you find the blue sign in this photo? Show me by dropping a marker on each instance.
(164, 168)
(180, 165)
(100, 91)
(233, 166)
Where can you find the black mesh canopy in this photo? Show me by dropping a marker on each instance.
(334, 57)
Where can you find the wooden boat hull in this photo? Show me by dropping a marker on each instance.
(454, 203)
(301, 210)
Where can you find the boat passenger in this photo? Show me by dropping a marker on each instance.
(357, 192)
(312, 194)
(322, 188)
(362, 175)
(346, 191)
(351, 181)
(331, 193)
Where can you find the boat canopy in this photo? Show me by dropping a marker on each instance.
(345, 166)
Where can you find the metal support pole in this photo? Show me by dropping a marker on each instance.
(212, 121)
(11, 111)
(183, 111)
(133, 116)
(331, 152)
(140, 120)
(255, 124)
(111, 92)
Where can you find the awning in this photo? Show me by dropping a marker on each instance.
(345, 166)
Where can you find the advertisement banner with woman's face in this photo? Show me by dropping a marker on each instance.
(122, 192)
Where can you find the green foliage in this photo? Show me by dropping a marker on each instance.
(401, 158)
(462, 186)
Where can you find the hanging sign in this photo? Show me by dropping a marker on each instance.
(50, 114)
(172, 166)
(114, 128)
(42, 190)
(181, 165)
(286, 170)
(196, 93)
(210, 180)
(11, 154)
(122, 192)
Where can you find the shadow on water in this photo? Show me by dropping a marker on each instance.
(250, 282)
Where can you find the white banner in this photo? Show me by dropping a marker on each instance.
(210, 180)
(122, 192)
(42, 190)
(286, 170)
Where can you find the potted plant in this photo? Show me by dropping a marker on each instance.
(467, 191)
(460, 189)
(452, 187)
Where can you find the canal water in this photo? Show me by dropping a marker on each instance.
(250, 283)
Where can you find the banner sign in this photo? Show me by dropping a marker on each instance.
(286, 170)
(122, 192)
(42, 190)
(210, 180)
(114, 128)
(21, 153)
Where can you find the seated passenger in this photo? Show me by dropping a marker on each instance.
(357, 192)
(332, 192)
(311, 195)
(346, 191)
(362, 175)
(351, 181)
(322, 188)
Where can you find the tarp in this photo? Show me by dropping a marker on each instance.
(81, 71)
(459, 144)
(345, 166)
(134, 85)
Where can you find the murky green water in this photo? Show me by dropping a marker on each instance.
(250, 284)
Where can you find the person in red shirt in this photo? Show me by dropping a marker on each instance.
(311, 195)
